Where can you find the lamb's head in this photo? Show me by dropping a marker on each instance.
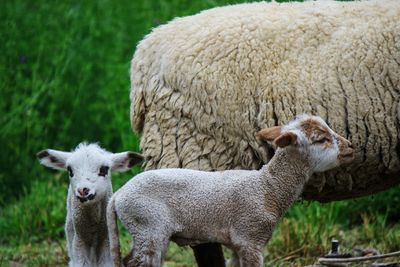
(89, 168)
(314, 138)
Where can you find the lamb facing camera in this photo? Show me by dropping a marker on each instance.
(89, 168)
(237, 208)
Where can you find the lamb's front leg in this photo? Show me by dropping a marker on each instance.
(103, 254)
(69, 234)
(80, 253)
(69, 225)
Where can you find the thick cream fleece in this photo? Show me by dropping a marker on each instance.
(203, 85)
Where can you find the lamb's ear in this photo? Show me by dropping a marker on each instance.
(286, 139)
(123, 161)
(269, 134)
(53, 158)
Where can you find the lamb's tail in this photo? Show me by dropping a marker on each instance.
(113, 233)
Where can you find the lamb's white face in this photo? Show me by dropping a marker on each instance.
(89, 172)
(325, 148)
(89, 168)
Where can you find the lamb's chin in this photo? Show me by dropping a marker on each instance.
(86, 201)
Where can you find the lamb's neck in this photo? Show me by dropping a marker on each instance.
(284, 178)
(90, 213)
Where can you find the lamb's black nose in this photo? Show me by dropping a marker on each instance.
(83, 192)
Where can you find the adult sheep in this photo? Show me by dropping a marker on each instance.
(201, 85)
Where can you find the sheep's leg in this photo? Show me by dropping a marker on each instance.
(250, 257)
(80, 253)
(69, 234)
(150, 230)
(148, 251)
(69, 226)
(128, 258)
(235, 262)
(209, 255)
(103, 254)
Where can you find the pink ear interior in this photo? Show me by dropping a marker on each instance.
(286, 139)
(123, 161)
(269, 134)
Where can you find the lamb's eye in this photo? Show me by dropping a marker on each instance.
(103, 171)
(70, 172)
(321, 141)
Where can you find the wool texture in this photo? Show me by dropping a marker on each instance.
(202, 85)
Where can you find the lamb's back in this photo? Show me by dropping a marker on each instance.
(188, 194)
(174, 181)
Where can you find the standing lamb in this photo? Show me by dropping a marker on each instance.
(90, 189)
(238, 208)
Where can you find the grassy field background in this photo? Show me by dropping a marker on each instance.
(64, 79)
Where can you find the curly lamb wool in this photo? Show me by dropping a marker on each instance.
(203, 84)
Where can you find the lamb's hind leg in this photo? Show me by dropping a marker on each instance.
(234, 262)
(250, 257)
(148, 251)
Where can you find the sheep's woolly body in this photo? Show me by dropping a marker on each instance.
(203, 85)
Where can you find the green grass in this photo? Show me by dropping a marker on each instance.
(64, 79)
(33, 235)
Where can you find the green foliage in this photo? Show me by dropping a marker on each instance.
(32, 230)
(64, 76)
(37, 221)
(380, 203)
(39, 215)
(60, 85)
(308, 228)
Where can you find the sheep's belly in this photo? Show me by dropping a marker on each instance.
(181, 241)
(201, 236)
